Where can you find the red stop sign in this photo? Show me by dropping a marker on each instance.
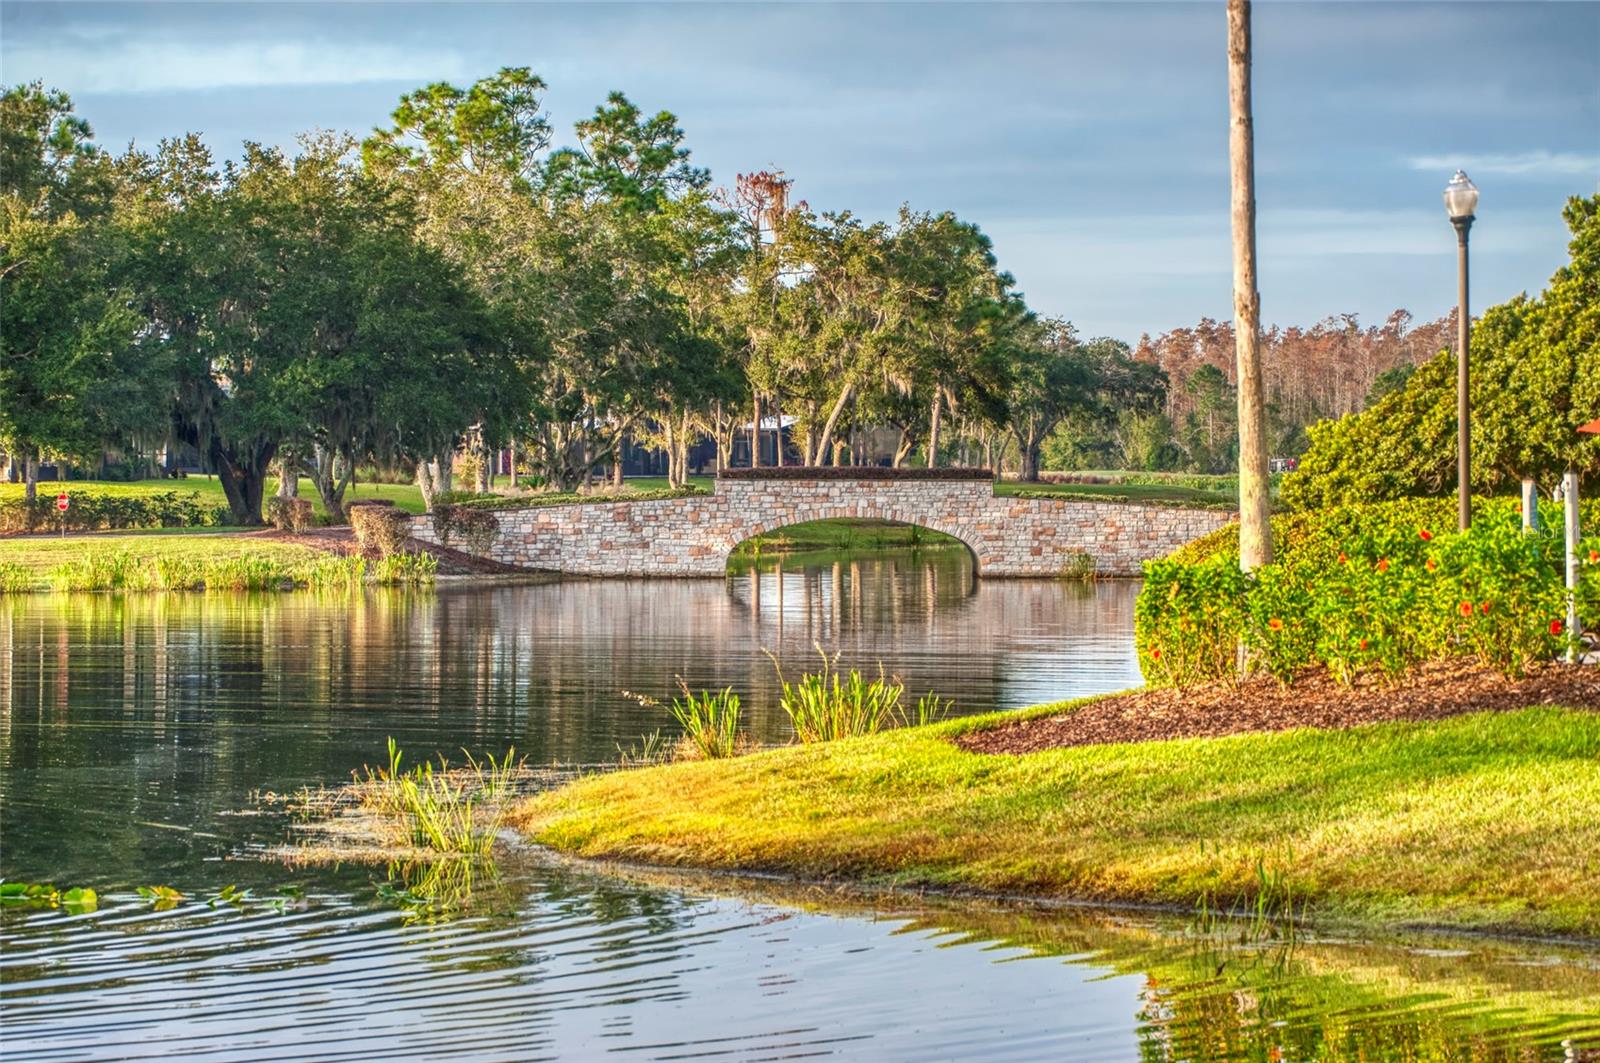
(61, 501)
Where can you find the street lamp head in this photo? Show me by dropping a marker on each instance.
(1460, 196)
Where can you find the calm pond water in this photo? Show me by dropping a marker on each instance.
(134, 732)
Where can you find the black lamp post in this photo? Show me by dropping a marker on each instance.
(1460, 200)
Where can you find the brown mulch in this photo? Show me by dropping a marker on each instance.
(341, 540)
(1435, 691)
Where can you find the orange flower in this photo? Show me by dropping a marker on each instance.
(1483, 607)
(1466, 608)
(1594, 557)
(1155, 655)
(1363, 643)
(1275, 624)
(1383, 564)
(1555, 627)
(1342, 558)
(1432, 564)
(1427, 536)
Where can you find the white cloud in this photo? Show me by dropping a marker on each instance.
(1539, 163)
(128, 66)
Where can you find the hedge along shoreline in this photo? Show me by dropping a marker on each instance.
(92, 511)
(1362, 590)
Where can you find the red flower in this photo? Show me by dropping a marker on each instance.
(1594, 557)
(1555, 627)
(1155, 655)
(1275, 624)
(1383, 564)
(1363, 643)
(1427, 536)
(1466, 608)
(1483, 607)
(1432, 564)
(1342, 558)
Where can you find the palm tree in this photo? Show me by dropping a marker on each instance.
(1255, 527)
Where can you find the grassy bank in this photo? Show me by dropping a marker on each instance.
(1451, 823)
(191, 560)
(406, 496)
(846, 533)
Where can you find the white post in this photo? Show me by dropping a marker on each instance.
(1530, 506)
(1569, 493)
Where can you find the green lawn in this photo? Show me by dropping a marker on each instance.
(28, 561)
(845, 533)
(406, 496)
(1452, 823)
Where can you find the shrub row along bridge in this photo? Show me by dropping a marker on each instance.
(693, 535)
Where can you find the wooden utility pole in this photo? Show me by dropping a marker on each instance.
(1255, 526)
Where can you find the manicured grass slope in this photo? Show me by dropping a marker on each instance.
(1489, 820)
(38, 555)
(406, 496)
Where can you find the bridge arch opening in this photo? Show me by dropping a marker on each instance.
(806, 538)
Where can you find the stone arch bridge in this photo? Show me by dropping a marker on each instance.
(693, 535)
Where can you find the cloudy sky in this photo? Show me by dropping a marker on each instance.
(1088, 139)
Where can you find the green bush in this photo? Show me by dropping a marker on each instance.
(1188, 620)
(1535, 379)
(1359, 590)
(88, 511)
(289, 514)
(384, 528)
(475, 528)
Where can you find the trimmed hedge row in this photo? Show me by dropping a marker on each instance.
(565, 498)
(1359, 590)
(1090, 496)
(89, 511)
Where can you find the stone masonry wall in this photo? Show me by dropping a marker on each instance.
(693, 536)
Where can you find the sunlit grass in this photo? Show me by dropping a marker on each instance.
(1487, 820)
(407, 496)
(137, 562)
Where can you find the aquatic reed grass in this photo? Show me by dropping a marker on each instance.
(710, 722)
(831, 704)
(442, 809)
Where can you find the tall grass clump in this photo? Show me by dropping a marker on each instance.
(341, 573)
(15, 578)
(417, 569)
(831, 704)
(99, 571)
(443, 809)
(710, 722)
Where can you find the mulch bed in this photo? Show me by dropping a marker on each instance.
(1437, 690)
(341, 540)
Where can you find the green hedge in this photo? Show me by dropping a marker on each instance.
(1092, 496)
(88, 511)
(564, 498)
(1367, 589)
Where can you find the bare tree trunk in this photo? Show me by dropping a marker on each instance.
(826, 439)
(288, 478)
(755, 431)
(933, 427)
(30, 477)
(1255, 526)
(777, 432)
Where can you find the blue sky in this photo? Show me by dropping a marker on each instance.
(1088, 139)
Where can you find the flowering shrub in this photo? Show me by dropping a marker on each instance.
(1188, 621)
(1383, 590)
